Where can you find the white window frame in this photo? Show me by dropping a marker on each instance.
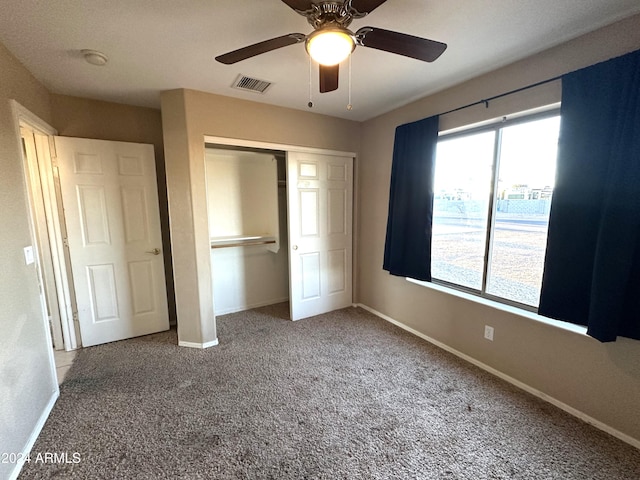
(495, 126)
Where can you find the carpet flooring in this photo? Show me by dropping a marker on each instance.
(343, 395)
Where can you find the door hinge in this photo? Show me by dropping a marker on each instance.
(65, 242)
(52, 149)
(75, 316)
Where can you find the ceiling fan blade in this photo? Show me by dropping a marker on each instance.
(400, 43)
(299, 5)
(261, 47)
(366, 6)
(329, 78)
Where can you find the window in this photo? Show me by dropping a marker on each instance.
(492, 197)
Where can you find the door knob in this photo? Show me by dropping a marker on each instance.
(295, 247)
(155, 251)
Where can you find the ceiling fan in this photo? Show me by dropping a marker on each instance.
(331, 42)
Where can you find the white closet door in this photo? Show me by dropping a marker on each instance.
(110, 199)
(320, 200)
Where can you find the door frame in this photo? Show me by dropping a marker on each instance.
(233, 142)
(49, 231)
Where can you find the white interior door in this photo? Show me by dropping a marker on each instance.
(110, 201)
(320, 200)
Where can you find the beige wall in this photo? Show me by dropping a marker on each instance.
(600, 380)
(187, 117)
(27, 384)
(86, 118)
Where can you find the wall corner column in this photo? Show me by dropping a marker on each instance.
(189, 243)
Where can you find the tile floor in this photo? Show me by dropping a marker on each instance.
(63, 362)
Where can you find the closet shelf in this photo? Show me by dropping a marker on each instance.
(241, 241)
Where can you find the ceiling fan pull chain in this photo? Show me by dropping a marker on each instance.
(349, 106)
(310, 104)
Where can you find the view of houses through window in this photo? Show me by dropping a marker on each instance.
(492, 197)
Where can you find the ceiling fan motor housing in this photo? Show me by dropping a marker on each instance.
(337, 13)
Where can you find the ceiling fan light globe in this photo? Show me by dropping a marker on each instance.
(330, 47)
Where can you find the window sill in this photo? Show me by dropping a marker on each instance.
(579, 329)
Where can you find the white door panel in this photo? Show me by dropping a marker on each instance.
(110, 202)
(320, 190)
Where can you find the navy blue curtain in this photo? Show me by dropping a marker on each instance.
(592, 266)
(407, 250)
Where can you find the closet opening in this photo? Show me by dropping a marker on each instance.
(248, 231)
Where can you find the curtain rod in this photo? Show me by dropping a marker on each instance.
(495, 97)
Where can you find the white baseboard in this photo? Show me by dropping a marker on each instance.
(527, 388)
(34, 434)
(212, 343)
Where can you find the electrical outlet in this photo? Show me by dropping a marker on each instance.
(488, 332)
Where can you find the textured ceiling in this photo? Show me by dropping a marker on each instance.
(156, 45)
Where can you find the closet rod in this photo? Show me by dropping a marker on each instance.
(243, 244)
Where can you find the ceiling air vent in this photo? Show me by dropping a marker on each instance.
(251, 84)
